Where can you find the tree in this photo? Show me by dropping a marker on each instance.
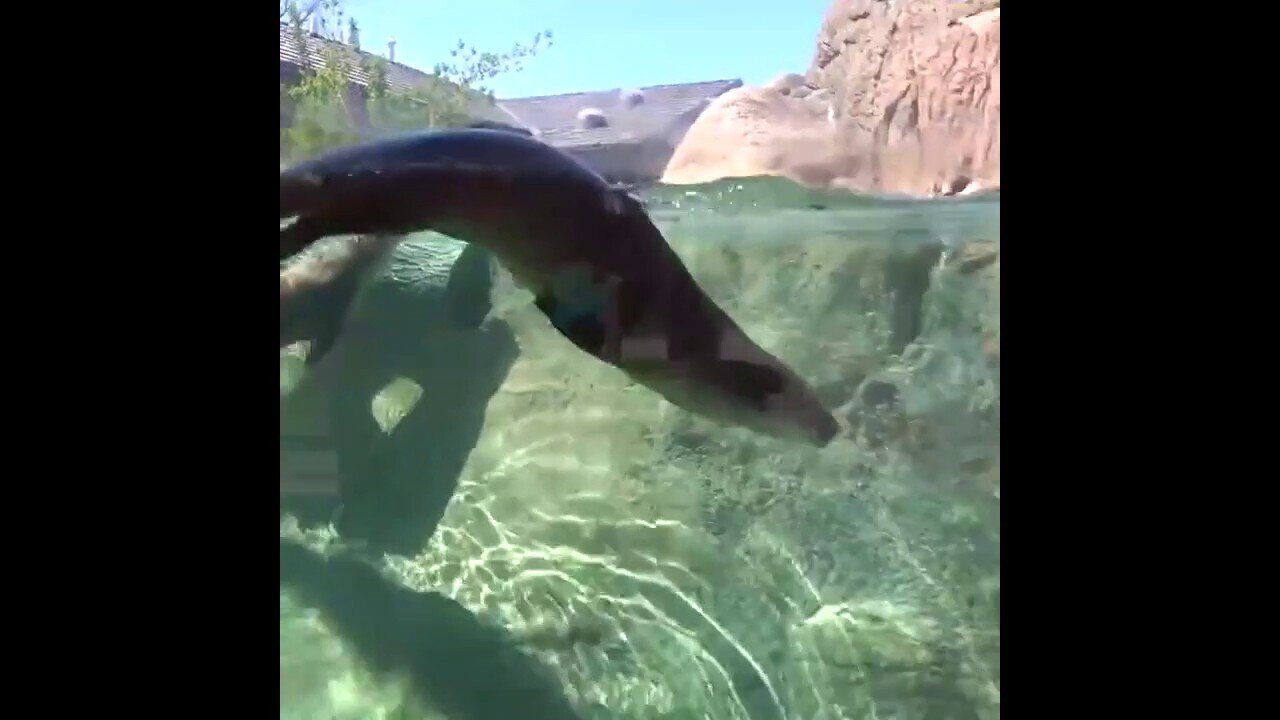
(327, 111)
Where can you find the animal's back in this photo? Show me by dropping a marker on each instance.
(495, 150)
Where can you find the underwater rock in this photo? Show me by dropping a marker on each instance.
(869, 634)
(907, 280)
(975, 256)
(879, 394)
(881, 658)
(874, 416)
(980, 260)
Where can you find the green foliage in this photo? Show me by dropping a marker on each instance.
(325, 110)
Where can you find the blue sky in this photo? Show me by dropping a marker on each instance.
(603, 44)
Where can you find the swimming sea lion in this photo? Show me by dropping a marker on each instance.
(598, 267)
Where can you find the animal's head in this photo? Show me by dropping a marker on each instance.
(638, 308)
(761, 394)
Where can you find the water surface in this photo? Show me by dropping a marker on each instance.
(606, 555)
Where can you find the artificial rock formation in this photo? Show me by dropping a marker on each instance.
(903, 96)
(782, 129)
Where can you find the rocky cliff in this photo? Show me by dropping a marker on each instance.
(903, 95)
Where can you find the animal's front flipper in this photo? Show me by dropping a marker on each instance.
(327, 328)
(317, 293)
(469, 292)
(300, 234)
(582, 324)
(584, 309)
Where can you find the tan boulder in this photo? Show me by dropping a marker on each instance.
(781, 129)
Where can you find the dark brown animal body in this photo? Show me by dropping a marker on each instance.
(598, 267)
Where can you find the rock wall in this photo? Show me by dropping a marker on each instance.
(902, 96)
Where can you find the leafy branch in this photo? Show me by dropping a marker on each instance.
(325, 109)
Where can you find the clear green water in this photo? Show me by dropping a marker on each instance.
(605, 555)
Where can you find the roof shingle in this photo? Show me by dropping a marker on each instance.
(555, 117)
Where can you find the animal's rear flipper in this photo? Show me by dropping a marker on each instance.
(469, 292)
(326, 334)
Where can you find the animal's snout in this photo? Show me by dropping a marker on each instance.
(798, 408)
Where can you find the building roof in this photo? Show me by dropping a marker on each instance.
(400, 77)
(555, 117)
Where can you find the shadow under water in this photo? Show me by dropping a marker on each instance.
(456, 663)
(724, 576)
